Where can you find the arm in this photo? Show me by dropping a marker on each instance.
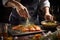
(45, 7)
(13, 4)
(22, 11)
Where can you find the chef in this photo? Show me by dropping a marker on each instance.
(32, 8)
(23, 9)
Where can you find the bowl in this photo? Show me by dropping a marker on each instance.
(49, 23)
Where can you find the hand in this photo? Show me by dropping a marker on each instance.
(23, 12)
(48, 17)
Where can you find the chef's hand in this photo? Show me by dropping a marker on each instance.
(24, 12)
(48, 17)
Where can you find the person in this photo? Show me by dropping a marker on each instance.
(32, 7)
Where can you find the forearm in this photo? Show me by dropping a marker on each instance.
(45, 5)
(46, 10)
(13, 4)
(10, 4)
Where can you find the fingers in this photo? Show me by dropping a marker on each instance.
(46, 17)
(24, 13)
(49, 17)
(27, 12)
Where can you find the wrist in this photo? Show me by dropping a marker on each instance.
(47, 13)
(46, 10)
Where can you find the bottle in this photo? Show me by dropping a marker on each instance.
(5, 31)
(6, 36)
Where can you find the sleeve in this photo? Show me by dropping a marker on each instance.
(4, 2)
(45, 3)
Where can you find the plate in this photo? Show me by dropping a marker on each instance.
(19, 33)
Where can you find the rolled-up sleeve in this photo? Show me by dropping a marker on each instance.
(4, 2)
(45, 3)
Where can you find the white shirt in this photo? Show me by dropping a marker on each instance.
(43, 3)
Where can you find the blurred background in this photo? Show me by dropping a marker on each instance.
(54, 9)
